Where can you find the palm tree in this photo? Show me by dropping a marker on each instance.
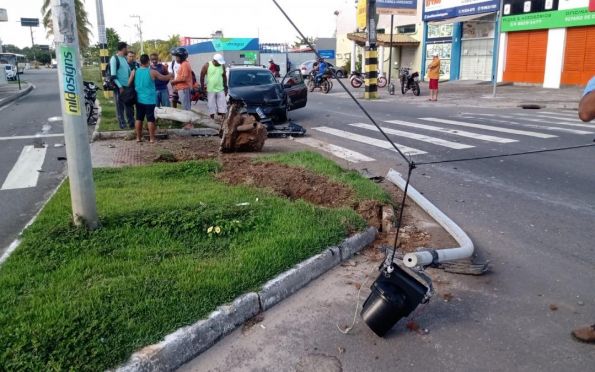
(82, 20)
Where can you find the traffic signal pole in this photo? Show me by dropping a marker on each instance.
(102, 38)
(371, 54)
(78, 152)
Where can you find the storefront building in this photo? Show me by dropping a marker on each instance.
(462, 33)
(547, 42)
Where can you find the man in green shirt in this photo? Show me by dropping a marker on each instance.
(216, 85)
(120, 74)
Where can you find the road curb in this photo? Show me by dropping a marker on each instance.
(188, 342)
(14, 97)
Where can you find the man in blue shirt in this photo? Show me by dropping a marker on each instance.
(586, 111)
(322, 66)
(120, 75)
(160, 86)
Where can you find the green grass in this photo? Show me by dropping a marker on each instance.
(80, 300)
(364, 188)
(109, 120)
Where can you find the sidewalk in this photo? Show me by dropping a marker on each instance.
(10, 92)
(479, 94)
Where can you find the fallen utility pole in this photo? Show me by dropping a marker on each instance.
(78, 152)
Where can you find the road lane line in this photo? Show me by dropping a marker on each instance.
(489, 127)
(572, 114)
(558, 121)
(535, 126)
(369, 141)
(455, 132)
(338, 151)
(25, 173)
(31, 137)
(415, 136)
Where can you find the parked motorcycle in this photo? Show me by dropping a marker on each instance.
(90, 90)
(409, 81)
(357, 80)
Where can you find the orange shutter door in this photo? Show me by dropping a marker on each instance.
(579, 55)
(525, 56)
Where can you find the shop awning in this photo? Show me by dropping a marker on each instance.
(460, 19)
(383, 39)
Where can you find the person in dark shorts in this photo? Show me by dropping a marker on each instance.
(144, 84)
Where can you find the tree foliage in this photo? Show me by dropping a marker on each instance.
(301, 41)
(82, 20)
(112, 40)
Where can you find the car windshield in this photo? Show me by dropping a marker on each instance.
(246, 78)
(8, 68)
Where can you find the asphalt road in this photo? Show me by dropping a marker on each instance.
(29, 174)
(532, 217)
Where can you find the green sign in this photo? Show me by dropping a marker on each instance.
(553, 19)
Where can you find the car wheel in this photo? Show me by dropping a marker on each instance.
(340, 74)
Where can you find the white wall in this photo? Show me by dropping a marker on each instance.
(502, 55)
(556, 42)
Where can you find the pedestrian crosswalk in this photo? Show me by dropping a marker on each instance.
(25, 172)
(426, 135)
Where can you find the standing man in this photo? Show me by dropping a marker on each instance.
(182, 82)
(274, 68)
(586, 112)
(160, 85)
(131, 58)
(216, 85)
(120, 74)
(434, 75)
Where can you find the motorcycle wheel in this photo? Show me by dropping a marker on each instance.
(416, 89)
(382, 82)
(403, 91)
(325, 86)
(331, 85)
(311, 85)
(356, 82)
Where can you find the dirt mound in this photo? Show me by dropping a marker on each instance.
(371, 211)
(293, 183)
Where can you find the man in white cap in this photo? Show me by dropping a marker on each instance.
(216, 85)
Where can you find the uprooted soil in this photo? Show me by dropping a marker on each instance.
(293, 183)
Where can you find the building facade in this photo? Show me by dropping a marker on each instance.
(547, 42)
(463, 34)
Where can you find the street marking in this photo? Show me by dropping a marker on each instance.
(25, 173)
(55, 118)
(542, 121)
(415, 136)
(369, 141)
(489, 127)
(535, 126)
(31, 137)
(567, 113)
(455, 132)
(565, 121)
(338, 151)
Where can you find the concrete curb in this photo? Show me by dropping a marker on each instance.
(14, 97)
(188, 342)
(122, 134)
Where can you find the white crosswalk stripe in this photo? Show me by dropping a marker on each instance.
(531, 118)
(415, 136)
(552, 120)
(369, 140)
(25, 172)
(574, 115)
(490, 128)
(555, 129)
(456, 132)
(338, 151)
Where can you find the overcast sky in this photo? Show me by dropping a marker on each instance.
(195, 18)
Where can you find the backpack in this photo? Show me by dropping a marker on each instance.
(108, 81)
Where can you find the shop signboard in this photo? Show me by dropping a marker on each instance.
(546, 20)
(435, 10)
(592, 5)
(393, 7)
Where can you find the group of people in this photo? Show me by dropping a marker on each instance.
(141, 87)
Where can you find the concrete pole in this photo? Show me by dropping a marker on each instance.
(371, 55)
(353, 56)
(102, 38)
(78, 152)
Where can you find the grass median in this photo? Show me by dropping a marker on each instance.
(174, 244)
